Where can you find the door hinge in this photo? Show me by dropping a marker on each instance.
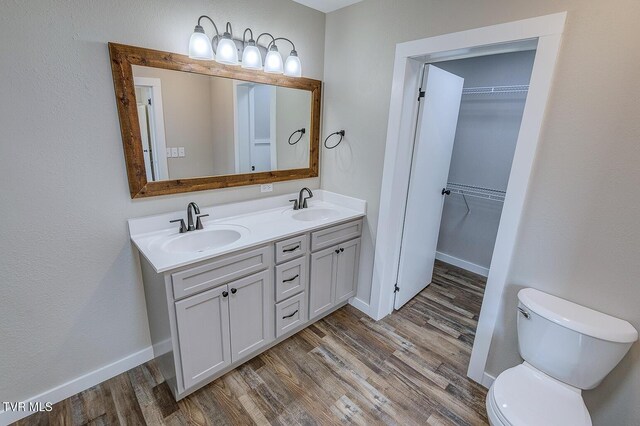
(421, 94)
(149, 101)
(396, 288)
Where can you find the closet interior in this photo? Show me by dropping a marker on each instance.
(493, 99)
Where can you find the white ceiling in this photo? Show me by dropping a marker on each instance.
(327, 6)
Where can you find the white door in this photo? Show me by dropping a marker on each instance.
(146, 143)
(251, 312)
(432, 151)
(321, 284)
(203, 334)
(261, 129)
(347, 270)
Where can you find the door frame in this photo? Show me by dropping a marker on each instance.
(409, 58)
(158, 123)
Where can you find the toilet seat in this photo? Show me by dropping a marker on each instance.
(524, 396)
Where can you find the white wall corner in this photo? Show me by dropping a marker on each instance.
(363, 307)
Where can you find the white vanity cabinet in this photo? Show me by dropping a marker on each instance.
(208, 317)
(334, 276)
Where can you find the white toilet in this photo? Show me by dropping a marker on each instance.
(566, 348)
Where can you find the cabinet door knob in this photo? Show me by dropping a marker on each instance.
(234, 290)
(341, 250)
(337, 251)
(225, 293)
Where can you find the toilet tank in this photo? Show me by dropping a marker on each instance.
(572, 343)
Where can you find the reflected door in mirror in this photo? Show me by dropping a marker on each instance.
(195, 125)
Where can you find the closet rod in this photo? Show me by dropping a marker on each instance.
(520, 88)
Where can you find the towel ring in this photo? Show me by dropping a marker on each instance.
(301, 131)
(340, 132)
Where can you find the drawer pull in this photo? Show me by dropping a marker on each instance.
(290, 315)
(291, 249)
(291, 279)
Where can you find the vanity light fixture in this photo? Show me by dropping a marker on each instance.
(226, 50)
(273, 61)
(200, 45)
(251, 57)
(292, 66)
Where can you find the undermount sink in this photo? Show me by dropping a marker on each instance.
(309, 215)
(201, 240)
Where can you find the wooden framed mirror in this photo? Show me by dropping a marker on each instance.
(192, 125)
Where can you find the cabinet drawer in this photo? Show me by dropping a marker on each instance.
(291, 313)
(219, 271)
(291, 278)
(291, 248)
(335, 235)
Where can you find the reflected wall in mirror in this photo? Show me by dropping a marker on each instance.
(191, 125)
(218, 126)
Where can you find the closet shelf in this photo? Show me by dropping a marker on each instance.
(476, 191)
(521, 88)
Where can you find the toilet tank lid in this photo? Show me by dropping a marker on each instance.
(577, 317)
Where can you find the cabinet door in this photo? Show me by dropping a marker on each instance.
(251, 307)
(347, 270)
(322, 282)
(203, 334)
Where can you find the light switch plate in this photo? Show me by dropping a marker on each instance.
(181, 151)
(267, 187)
(174, 152)
(168, 152)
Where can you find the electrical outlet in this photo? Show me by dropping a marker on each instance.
(268, 187)
(181, 151)
(174, 152)
(168, 152)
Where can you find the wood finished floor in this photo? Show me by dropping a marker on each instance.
(408, 369)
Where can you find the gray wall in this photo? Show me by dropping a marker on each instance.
(187, 105)
(293, 112)
(486, 137)
(72, 298)
(580, 237)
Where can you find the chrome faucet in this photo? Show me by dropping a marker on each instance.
(302, 201)
(191, 209)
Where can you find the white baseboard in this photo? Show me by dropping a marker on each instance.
(467, 266)
(81, 383)
(487, 380)
(361, 306)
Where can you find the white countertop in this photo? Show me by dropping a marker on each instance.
(258, 221)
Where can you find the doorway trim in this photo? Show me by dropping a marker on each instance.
(409, 58)
(158, 123)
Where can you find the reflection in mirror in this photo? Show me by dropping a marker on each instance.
(195, 125)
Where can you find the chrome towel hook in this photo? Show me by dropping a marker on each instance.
(340, 132)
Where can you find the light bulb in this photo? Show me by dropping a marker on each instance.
(292, 66)
(251, 57)
(200, 45)
(227, 53)
(273, 61)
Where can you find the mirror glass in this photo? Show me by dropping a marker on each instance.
(195, 125)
